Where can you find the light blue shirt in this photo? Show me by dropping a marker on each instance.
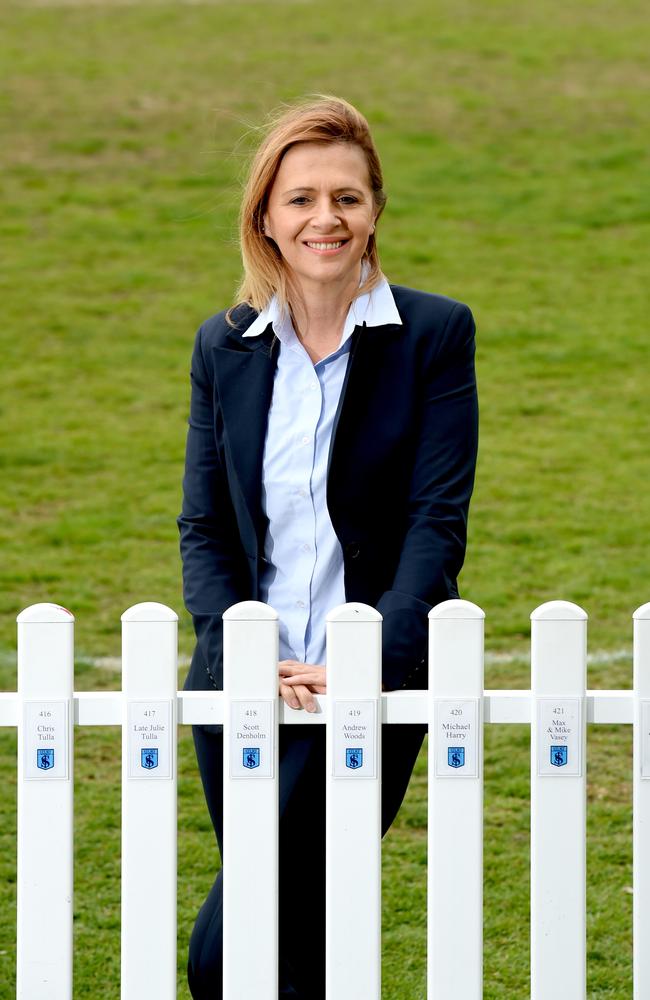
(302, 576)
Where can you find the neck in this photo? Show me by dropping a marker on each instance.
(319, 313)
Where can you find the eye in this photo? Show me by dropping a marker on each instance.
(348, 199)
(300, 199)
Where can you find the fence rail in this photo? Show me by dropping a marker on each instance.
(558, 708)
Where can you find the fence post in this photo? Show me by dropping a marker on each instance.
(558, 802)
(149, 681)
(455, 845)
(45, 797)
(353, 804)
(641, 898)
(250, 792)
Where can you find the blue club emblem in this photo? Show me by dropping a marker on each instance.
(149, 757)
(45, 759)
(251, 757)
(456, 756)
(354, 757)
(559, 756)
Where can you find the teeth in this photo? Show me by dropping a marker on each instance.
(325, 246)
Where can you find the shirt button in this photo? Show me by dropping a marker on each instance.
(302, 493)
(300, 604)
(306, 440)
(305, 547)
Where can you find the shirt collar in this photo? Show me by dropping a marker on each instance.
(374, 308)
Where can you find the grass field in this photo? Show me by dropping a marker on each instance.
(514, 143)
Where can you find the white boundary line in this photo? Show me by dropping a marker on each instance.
(599, 658)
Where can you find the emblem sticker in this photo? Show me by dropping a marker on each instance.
(559, 756)
(354, 757)
(456, 756)
(251, 757)
(45, 759)
(149, 758)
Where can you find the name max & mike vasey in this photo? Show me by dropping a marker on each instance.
(453, 729)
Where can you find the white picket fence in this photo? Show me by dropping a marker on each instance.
(45, 709)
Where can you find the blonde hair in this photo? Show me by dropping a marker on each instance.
(320, 118)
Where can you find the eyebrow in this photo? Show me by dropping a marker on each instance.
(336, 190)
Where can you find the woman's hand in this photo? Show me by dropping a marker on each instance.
(299, 682)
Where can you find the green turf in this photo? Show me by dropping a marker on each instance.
(513, 138)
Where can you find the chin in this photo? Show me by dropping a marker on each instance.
(331, 271)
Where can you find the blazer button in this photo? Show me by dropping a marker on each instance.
(352, 550)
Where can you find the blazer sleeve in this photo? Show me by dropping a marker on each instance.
(214, 568)
(441, 485)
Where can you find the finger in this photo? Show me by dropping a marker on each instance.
(315, 674)
(314, 688)
(289, 696)
(288, 667)
(307, 699)
(315, 677)
(306, 678)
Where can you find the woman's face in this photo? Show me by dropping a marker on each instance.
(321, 212)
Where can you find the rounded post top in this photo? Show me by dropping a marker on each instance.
(353, 612)
(149, 611)
(456, 609)
(559, 611)
(250, 611)
(40, 614)
(642, 612)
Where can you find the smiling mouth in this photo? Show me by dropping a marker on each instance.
(325, 246)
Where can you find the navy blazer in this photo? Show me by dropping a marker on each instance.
(400, 474)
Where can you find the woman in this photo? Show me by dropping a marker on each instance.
(330, 458)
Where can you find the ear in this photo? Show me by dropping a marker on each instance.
(265, 223)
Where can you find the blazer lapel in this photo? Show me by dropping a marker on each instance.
(366, 357)
(244, 376)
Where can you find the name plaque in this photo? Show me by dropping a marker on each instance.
(354, 739)
(149, 739)
(252, 750)
(645, 738)
(559, 737)
(45, 739)
(456, 742)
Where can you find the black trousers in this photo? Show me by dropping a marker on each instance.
(302, 854)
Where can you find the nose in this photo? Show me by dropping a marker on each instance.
(325, 215)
